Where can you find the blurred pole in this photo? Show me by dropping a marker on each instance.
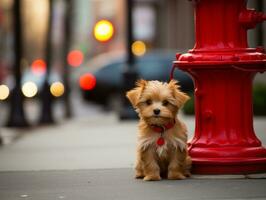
(259, 27)
(130, 56)
(46, 115)
(16, 116)
(67, 44)
(130, 74)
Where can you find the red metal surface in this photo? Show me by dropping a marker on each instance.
(223, 67)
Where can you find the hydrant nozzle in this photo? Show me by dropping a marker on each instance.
(249, 18)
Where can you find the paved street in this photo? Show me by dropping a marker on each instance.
(118, 184)
(79, 144)
(94, 141)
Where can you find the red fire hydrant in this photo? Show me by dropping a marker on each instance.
(223, 67)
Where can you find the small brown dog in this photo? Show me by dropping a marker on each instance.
(162, 138)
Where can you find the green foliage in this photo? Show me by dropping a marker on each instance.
(259, 101)
(189, 106)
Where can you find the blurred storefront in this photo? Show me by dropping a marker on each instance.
(160, 24)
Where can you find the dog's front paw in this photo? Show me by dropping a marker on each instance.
(187, 174)
(176, 176)
(139, 175)
(152, 178)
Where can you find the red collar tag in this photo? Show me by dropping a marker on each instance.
(160, 141)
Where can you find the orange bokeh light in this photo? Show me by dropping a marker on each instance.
(75, 58)
(103, 30)
(38, 67)
(87, 81)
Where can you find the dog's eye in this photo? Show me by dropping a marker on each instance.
(165, 103)
(148, 102)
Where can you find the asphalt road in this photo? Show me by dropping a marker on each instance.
(119, 184)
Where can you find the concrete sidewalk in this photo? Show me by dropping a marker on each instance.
(83, 143)
(92, 142)
(119, 184)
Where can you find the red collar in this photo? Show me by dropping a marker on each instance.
(161, 129)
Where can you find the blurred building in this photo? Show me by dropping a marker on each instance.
(6, 39)
(161, 24)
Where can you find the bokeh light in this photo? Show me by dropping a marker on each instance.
(87, 81)
(29, 89)
(4, 92)
(57, 89)
(103, 30)
(138, 48)
(75, 58)
(38, 67)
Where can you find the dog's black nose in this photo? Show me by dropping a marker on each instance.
(156, 111)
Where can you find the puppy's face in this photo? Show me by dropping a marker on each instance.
(157, 102)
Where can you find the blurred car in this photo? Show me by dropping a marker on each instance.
(155, 65)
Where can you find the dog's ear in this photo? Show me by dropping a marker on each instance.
(134, 94)
(180, 97)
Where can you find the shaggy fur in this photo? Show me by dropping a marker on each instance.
(171, 159)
